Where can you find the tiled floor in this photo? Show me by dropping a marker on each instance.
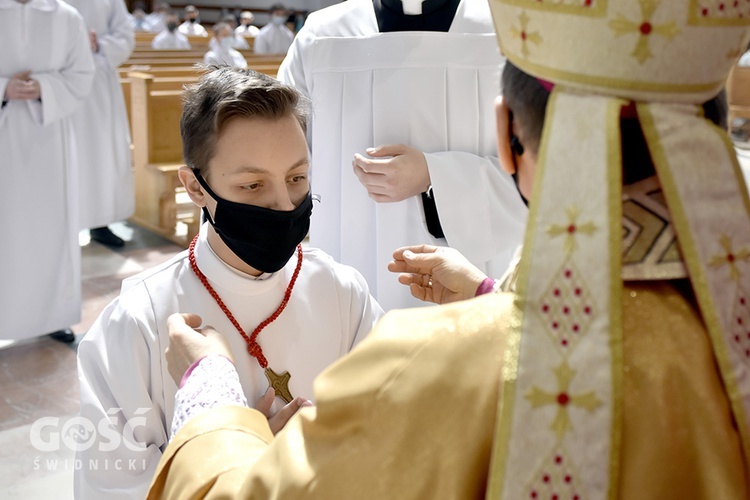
(38, 380)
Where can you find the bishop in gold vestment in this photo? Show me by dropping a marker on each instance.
(613, 370)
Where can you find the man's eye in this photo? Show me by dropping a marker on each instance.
(299, 178)
(251, 187)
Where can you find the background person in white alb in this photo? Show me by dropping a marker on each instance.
(46, 72)
(246, 27)
(274, 37)
(192, 25)
(105, 169)
(157, 20)
(222, 51)
(170, 38)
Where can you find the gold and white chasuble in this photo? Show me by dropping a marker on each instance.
(560, 416)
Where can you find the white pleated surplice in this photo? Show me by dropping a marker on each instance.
(432, 91)
(105, 168)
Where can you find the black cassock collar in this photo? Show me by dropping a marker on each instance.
(437, 15)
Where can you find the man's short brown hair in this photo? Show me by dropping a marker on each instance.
(225, 93)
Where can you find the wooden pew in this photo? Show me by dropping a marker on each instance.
(738, 93)
(169, 67)
(143, 40)
(157, 156)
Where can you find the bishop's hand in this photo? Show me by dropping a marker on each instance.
(436, 274)
(394, 172)
(188, 344)
(277, 421)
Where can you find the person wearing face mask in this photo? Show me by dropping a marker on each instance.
(618, 367)
(191, 26)
(274, 37)
(157, 20)
(298, 310)
(222, 48)
(238, 41)
(170, 38)
(246, 27)
(138, 19)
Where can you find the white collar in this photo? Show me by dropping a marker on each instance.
(222, 275)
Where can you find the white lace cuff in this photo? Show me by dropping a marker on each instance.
(213, 382)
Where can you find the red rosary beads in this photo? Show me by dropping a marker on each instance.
(253, 348)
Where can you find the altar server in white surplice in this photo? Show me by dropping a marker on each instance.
(244, 144)
(46, 71)
(379, 76)
(274, 37)
(105, 168)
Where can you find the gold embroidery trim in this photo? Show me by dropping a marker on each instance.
(599, 9)
(503, 425)
(614, 176)
(698, 274)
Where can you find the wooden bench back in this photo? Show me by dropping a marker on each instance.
(155, 121)
(738, 92)
(143, 40)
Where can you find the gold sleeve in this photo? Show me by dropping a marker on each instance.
(409, 412)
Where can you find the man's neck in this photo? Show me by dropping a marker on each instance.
(223, 252)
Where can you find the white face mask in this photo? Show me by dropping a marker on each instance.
(278, 20)
(227, 42)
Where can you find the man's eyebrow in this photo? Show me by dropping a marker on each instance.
(250, 169)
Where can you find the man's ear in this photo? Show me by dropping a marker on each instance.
(192, 186)
(504, 133)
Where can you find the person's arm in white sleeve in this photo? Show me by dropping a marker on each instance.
(468, 187)
(118, 43)
(363, 310)
(63, 90)
(119, 364)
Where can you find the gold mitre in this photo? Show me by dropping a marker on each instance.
(566, 334)
(636, 49)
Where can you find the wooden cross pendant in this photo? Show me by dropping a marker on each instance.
(280, 384)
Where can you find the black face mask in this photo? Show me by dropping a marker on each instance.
(192, 20)
(171, 27)
(264, 239)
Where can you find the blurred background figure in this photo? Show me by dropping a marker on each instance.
(170, 37)
(157, 20)
(246, 27)
(138, 19)
(41, 85)
(105, 167)
(221, 52)
(274, 37)
(192, 25)
(239, 41)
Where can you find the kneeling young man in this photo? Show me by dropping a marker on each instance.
(292, 312)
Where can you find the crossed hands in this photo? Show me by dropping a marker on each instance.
(188, 343)
(21, 87)
(394, 172)
(436, 274)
